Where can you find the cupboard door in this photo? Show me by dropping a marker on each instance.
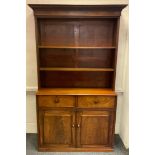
(56, 128)
(95, 128)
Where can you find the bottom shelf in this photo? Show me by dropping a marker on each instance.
(76, 91)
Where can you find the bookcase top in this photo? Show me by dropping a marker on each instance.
(45, 10)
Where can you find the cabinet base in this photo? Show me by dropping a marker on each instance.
(105, 149)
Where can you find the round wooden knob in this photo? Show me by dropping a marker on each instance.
(96, 101)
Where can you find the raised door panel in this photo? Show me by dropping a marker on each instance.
(57, 128)
(94, 129)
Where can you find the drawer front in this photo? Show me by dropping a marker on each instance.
(56, 101)
(96, 101)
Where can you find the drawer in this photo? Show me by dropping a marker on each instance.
(96, 101)
(56, 101)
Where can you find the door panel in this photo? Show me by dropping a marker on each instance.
(94, 128)
(57, 128)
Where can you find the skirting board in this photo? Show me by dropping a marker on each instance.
(31, 127)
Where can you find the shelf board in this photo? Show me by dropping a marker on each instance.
(76, 91)
(78, 69)
(79, 47)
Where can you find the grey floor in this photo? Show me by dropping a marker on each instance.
(31, 148)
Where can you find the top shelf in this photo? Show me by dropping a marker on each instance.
(79, 47)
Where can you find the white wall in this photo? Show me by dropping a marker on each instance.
(122, 65)
(124, 119)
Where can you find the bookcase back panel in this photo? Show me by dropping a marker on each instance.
(78, 32)
(57, 58)
(86, 58)
(56, 79)
(56, 33)
(96, 33)
(95, 58)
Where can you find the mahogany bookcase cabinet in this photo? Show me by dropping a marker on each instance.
(76, 63)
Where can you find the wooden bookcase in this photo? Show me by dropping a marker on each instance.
(76, 57)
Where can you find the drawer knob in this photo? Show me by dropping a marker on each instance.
(96, 101)
(73, 125)
(78, 125)
(56, 100)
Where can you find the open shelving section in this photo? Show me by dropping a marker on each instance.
(78, 53)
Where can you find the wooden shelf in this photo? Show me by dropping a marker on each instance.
(79, 47)
(78, 69)
(76, 91)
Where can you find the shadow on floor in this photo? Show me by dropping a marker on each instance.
(31, 148)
